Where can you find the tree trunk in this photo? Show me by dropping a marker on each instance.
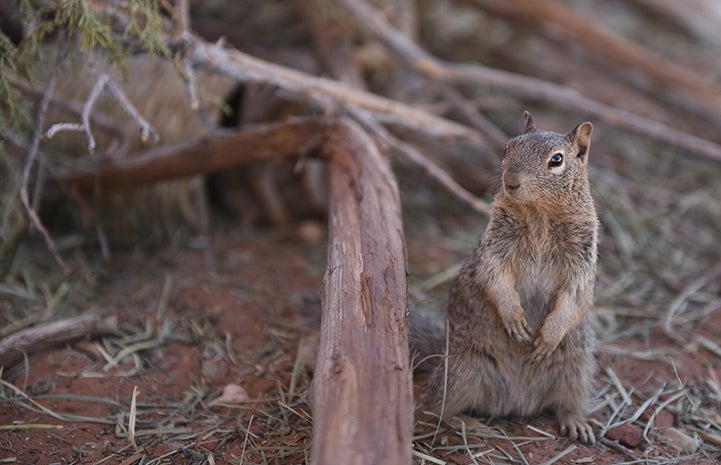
(362, 395)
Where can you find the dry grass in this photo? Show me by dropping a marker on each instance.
(186, 429)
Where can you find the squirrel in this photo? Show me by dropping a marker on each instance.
(518, 341)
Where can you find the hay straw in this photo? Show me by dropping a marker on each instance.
(245, 440)
(23, 426)
(428, 458)
(465, 442)
(132, 417)
(560, 455)
(30, 404)
(639, 411)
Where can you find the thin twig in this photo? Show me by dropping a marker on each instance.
(84, 116)
(87, 108)
(184, 10)
(192, 84)
(146, 129)
(61, 127)
(446, 352)
(414, 155)
(32, 155)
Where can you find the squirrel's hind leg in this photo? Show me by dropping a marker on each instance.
(471, 385)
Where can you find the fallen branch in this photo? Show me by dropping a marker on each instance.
(558, 95)
(212, 153)
(324, 92)
(374, 22)
(429, 167)
(566, 97)
(39, 338)
(362, 397)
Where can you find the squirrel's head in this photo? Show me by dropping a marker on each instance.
(544, 165)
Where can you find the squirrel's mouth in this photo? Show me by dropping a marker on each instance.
(516, 193)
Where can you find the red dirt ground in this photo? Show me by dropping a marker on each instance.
(238, 326)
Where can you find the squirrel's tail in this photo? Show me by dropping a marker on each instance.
(427, 339)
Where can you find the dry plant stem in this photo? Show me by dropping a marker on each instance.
(320, 91)
(362, 397)
(211, 153)
(99, 119)
(88, 108)
(192, 84)
(184, 13)
(33, 340)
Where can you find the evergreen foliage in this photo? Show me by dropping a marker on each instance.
(139, 25)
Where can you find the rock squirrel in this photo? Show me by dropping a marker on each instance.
(519, 341)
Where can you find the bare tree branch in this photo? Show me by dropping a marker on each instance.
(416, 157)
(244, 67)
(30, 161)
(528, 87)
(36, 339)
(678, 84)
(210, 153)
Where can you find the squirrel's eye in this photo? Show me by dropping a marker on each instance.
(555, 160)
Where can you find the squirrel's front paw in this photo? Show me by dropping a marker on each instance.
(545, 344)
(517, 326)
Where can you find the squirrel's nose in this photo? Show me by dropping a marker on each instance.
(511, 180)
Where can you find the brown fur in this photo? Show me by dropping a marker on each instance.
(520, 343)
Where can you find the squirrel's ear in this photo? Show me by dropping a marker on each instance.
(581, 138)
(530, 124)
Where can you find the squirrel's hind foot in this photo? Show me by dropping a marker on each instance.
(577, 428)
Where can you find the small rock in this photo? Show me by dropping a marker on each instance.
(627, 434)
(680, 440)
(310, 232)
(212, 370)
(664, 419)
(232, 394)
